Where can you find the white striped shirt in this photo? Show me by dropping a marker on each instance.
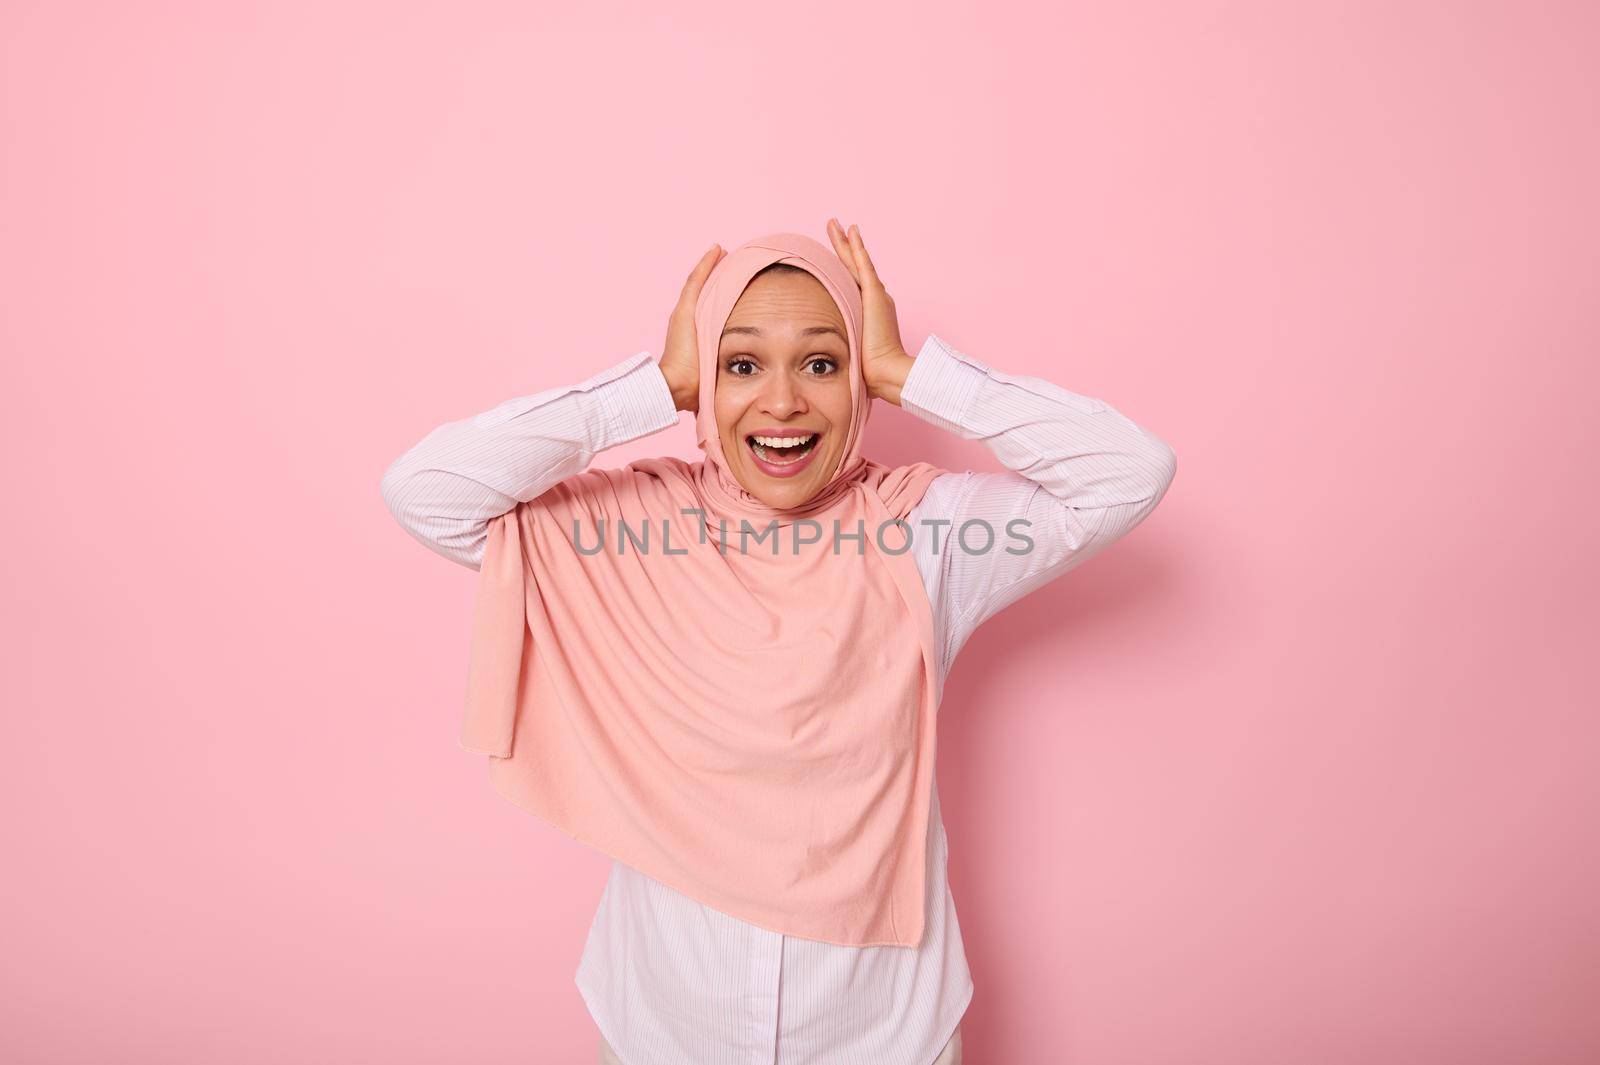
(668, 980)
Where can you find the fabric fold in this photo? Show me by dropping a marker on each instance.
(752, 728)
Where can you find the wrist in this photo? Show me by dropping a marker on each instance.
(685, 394)
(888, 376)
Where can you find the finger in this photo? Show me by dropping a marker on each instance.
(864, 276)
(701, 271)
(841, 248)
(867, 269)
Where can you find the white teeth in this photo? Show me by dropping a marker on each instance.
(781, 441)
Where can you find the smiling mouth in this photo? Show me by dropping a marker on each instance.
(782, 452)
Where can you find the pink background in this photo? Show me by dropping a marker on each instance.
(1303, 771)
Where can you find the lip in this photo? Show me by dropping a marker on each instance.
(783, 434)
(788, 469)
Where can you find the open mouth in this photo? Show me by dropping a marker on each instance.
(781, 450)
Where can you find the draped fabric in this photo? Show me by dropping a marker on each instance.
(736, 700)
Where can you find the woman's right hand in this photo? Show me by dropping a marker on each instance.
(680, 358)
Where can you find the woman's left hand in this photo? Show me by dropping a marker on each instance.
(884, 362)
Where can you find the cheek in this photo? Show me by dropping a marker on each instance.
(727, 411)
(834, 402)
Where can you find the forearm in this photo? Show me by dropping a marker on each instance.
(446, 488)
(1079, 476)
(1079, 449)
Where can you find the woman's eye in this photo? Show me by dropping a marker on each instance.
(820, 366)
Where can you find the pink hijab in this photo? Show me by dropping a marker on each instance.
(750, 722)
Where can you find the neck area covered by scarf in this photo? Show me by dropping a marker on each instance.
(748, 718)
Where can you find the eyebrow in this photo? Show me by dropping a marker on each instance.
(814, 330)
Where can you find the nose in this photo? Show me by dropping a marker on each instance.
(783, 397)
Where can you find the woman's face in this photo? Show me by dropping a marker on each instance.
(783, 390)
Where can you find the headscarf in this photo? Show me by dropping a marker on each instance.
(748, 721)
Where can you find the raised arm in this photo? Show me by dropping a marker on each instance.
(448, 486)
(1081, 476)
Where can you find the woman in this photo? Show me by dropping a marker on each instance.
(748, 731)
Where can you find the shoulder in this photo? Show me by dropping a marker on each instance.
(617, 489)
(661, 466)
(943, 497)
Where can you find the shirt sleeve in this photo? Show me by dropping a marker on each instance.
(1080, 475)
(447, 488)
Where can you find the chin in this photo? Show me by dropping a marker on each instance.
(789, 496)
(782, 495)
